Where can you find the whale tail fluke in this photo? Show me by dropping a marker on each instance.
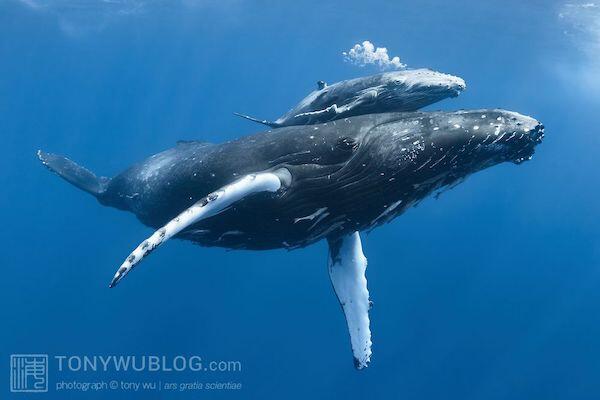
(73, 173)
(260, 121)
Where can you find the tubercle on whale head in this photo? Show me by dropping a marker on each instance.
(517, 135)
(509, 137)
(535, 136)
(504, 136)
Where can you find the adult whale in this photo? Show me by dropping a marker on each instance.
(297, 185)
(395, 91)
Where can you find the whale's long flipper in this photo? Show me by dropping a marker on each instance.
(212, 204)
(335, 112)
(260, 121)
(365, 98)
(347, 266)
(331, 112)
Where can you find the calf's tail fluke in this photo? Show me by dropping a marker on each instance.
(73, 173)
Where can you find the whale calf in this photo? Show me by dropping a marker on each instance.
(294, 186)
(395, 91)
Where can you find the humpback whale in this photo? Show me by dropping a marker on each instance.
(395, 91)
(294, 186)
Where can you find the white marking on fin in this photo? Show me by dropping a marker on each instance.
(347, 266)
(211, 205)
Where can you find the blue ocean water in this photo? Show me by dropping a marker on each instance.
(489, 292)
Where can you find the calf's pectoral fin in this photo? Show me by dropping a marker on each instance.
(212, 204)
(332, 110)
(362, 100)
(347, 266)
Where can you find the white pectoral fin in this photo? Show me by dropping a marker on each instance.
(347, 266)
(332, 111)
(210, 205)
(362, 100)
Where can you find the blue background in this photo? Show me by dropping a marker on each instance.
(490, 292)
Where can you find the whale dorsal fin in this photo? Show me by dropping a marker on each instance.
(347, 266)
(209, 206)
(321, 85)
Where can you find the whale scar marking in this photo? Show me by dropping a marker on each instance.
(311, 216)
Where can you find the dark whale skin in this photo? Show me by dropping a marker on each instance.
(347, 175)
